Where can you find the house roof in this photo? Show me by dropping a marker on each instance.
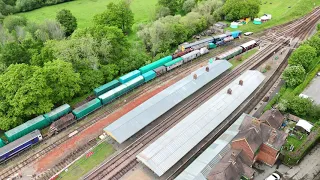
(232, 166)
(255, 133)
(293, 118)
(273, 117)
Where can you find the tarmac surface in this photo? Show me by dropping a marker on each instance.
(313, 90)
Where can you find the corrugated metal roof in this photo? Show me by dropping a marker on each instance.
(201, 167)
(162, 154)
(145, 113)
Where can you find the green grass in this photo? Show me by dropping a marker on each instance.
(280, 13)
(245, 56)
(84, 164)
(84, 10)
(295, 142)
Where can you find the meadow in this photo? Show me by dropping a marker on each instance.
(84, 10)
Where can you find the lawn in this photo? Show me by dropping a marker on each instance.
(84, 10)
(245, 56)
(84, 164)
(281, 13)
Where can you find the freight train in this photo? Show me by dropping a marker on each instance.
(64, 116)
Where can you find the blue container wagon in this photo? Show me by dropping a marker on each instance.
(148, 76)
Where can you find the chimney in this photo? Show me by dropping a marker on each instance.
(273, 136)
(195, 76)
(229, 91)
(207, 69)
(241, 82)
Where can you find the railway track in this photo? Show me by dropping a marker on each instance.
(185, 69)
(122, 162)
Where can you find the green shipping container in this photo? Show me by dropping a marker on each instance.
(87, 108)
(27, 127)
(212, 46)
(131, 75)
(120, 90)
(148, 76)
(134, 83)
(155, 64)
(107, 97)
(173, 62)
(1, 143)
(58, 112)
(107, 87)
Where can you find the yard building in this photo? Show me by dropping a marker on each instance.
(273, 118)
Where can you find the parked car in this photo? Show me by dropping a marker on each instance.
(248, 33)
(273, 176)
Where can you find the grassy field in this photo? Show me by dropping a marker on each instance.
(84, 10)
(84, 164)
(245, 56)
(281, 13)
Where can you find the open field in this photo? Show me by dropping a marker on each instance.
(281, 13)
(84, 164)
(84, 10)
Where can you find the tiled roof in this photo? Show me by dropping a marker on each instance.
(273, 117)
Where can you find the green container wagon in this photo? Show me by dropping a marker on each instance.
(148, 76)
(107, 87)
(173, 62)
(27, 127)
(134, 83)
(212, 46)
(131, 75)
(120, 90)
(155, 64)
(58, 112)
(1, 143)
(87, 108)
(107, 97)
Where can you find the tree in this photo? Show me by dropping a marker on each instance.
(299, 106)
(188, 5)
(174, 5)
(109, 72)
(11, 22)
(294, 75)
(119, 15)
(90, 79)
(27, 5)
(67, 20)
(14, 53)
(315, 43)
(237, 9)
(303, 56)
(162, 11)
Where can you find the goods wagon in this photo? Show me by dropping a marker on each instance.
(181, 53)
(58, 112)
(204, 51)
(1, 143)
(107, 97)
(120, 90)
(61, 124)
(131, 75)
(19, 145)
(155, 64)
(160, 70)
(27, 127)
(148, 76)
(107, 87)
(192, 55)
(87, 108)
(248, 45)
(228, 39)
(173, 64)
(134, 83)
(230, 54)
(236, 34)
(197, 43)
(212, 46)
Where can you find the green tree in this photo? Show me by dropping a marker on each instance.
(315, 43)
(109, 71)
(236, 9)
(12, 21)
(303, 56)
(14, 53)
(67, 20)
(162, 12)
(119, 15)
(90, 79)
(294, 75)
(299, 106)
(62, 79)
(188, 5)
(174, 5)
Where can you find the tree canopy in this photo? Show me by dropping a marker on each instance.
(237, 9)
(67, 21)
(303, 56)
(294, 75)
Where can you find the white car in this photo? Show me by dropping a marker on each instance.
(248, 33)
(273, 176)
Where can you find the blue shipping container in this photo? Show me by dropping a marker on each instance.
(131, 75)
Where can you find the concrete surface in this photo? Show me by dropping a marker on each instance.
(313, 90)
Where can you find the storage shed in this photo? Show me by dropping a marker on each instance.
(27, 127)
(200, 168)
(167, 150)
(155, 64)
(58, 112)
(234, 25)
(106, 87)
(87, 108)
(131, 75)
(147, 112)
(257, 21)
(303, 124)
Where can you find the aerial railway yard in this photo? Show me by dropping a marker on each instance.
(122, 162)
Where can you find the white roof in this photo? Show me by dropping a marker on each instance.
(145, 113)
(200, 168)
(162, 154)
(249, 43)
(305, 125)
(234, 23)
(264, 17)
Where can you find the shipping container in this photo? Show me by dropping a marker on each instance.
(62, 123)
(148, 76)
(131, 75)
(58, 112)
(192, 55)
(231, 53)
(107, 87)
(174, 63)
(87, 108)
(160, 70)
(27, 127)
(1, 143)
(107, 97)
(155, 64)
(212, 46)
(134, 83)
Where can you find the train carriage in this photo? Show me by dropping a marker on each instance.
(62, 123)
(173, 64)
(248, 45)
(203, 42)
(192, 55)
(148, 76)
(160, 70)
(204, 51)
(19, 145)
(230, 54)
(106, 87)
(181, 53)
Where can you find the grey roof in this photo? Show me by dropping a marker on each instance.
(200, 168)
(145, 113)
(249, 43)
(162, 154)
(273, 117)
(207, 40)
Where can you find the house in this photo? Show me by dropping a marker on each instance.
(273, 118)
(259, 141)
(234, 165)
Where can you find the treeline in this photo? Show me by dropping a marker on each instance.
(8, 7)
(41, 67)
